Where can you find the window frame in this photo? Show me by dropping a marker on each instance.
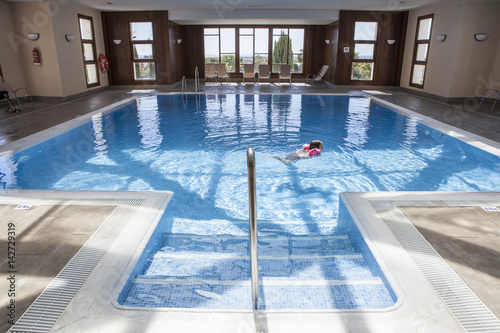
(94, 50)
(418, 42)
(254, 41)
(143, 42)
(269, 53)
(219, 39)
(288, 51)
(364, 42)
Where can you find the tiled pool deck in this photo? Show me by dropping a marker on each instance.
(471, 251)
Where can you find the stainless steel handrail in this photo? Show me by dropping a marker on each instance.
(183, 84)
(196, 79)
(252, 202)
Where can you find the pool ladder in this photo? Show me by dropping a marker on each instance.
(196, 81)
(252, 203)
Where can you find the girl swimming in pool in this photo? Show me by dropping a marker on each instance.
(308, 150)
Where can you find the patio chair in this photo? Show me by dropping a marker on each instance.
(221, 72)
(211, 72)
(7, 92)
(249, 72)
(318, 77)
(264, 73)
(285, 73)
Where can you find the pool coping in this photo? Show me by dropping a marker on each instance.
(419, 305)
(472, 139)
(107, 252)
(412, 263)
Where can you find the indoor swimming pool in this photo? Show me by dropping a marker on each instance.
(311, 255)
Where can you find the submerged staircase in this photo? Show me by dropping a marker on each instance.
(300, 267)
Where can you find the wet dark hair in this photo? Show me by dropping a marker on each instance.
(315, 144)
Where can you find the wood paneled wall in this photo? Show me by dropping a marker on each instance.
(314, 49)
(176, 60)
(388, 58)
(167, 55)
(332, 33)
(194, 51)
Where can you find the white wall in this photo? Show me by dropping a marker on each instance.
(441, 58)
(474, 63)
(460, 66)
(42, 80)
(61, 72)
(65, 21)
(9, 52)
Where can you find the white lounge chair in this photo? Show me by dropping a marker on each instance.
(264, 73)
(221, 72)
(318, 77)
(249, 72)
(211, 72)
(285, 73)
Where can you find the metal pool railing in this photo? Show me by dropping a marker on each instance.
(183, 84)
(196, 79)
(252, 202)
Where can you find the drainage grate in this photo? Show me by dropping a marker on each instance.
(469, 310)
(42, 315)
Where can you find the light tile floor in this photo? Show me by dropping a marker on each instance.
(46, 238)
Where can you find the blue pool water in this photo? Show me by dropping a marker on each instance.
(310, 257)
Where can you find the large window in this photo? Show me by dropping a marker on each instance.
(288, 48)
(239, 46)
(254, 47)
(141, 36)
(365, 39)
(220, 47)
(89, 50)
(421, 50)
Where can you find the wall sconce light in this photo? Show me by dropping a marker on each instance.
(117, 41)
(391, 41)
(33, 36)
(480, 37)
(69, 38)
(441, 38)
(179, 41)
(327, 41)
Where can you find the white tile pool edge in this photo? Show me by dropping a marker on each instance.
(49, 133)
(475, 140)
(419, 307)
(416, 267)
(117, 241)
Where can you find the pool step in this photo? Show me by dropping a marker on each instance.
(296, 272)
(284, 296)
(239, 245)
(265, 228)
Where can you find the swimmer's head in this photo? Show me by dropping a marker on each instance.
(316, 144)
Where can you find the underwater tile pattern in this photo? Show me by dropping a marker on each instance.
(272, 297)
(297, 270)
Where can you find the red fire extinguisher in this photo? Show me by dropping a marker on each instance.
(36, 56)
